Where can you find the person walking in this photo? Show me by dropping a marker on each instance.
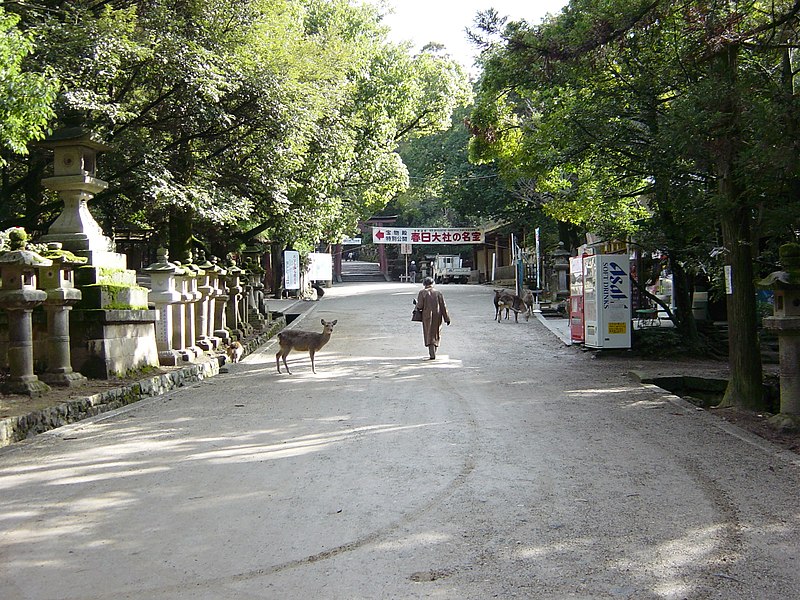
(431, 303)
(413, 271)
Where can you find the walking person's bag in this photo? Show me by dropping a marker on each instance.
(416, 314)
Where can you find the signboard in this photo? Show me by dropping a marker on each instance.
(405, 248)
(399, 235)
(291, 268)
(351, 242)
(320, 266)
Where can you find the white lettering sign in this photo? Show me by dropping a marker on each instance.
(395, 235)
(291, 266)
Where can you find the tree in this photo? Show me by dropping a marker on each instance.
(622, 105)
(25, 97)
(231, 119)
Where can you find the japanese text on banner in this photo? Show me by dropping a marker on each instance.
(395, 235)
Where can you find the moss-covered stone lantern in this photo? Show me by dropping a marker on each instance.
(785, 322)
(58, 282)
(18, 297)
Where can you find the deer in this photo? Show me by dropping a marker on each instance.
(504, 299)
(295, 339)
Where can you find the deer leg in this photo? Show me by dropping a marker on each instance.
(278, 360)
(283, 354)
(311, 354)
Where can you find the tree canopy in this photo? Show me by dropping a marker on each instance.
(671, 124)
(26, 97)
(230, 119)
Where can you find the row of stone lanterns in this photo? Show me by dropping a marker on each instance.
(30, 280)
(200, 307)
(193, 302)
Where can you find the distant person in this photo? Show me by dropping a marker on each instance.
(413, 272)
(434, 310)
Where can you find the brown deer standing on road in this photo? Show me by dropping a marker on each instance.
(293, 339)
(508, 301)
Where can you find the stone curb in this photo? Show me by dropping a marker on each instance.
(16, 429)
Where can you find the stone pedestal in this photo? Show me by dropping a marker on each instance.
(180, 312)
(106, 285)
(57, 281)
(18, 298)
(785, 322)
(164, 296)
(234, 306)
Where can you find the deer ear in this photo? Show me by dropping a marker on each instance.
(334, 322)
(322, 321)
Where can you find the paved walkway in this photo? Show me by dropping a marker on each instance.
(511, 466)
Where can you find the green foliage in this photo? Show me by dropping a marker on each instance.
(270, 118)
(25, 97)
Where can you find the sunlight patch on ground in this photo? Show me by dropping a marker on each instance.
(589, 393)
(298, 446)
(528, 552)
(81, 479)
(672, 562)
(419, 540)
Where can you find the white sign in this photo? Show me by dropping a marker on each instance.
(351, 242)
(395, 235)
(291, 269)
(728, 279)
(405, 248)
(320, 266)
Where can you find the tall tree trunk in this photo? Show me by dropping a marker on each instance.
(745, 387)
(276, 252)
(180, 234)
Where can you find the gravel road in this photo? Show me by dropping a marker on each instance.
(510, 467)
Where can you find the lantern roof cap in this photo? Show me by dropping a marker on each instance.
(74, 136)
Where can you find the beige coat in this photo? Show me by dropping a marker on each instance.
(434, 310)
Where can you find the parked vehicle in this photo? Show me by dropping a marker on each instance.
(447, 268)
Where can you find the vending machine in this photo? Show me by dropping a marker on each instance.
(576, 333)
(607, 301)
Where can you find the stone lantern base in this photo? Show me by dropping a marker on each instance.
(63, 379)
(28, 385)
(785, 423)
(113, 343)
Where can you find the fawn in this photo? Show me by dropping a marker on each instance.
(235, 351)
(293, 339)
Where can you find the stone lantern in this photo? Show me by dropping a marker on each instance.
(18, 297)
(559, 287)
(785, 322)
(234, 317)
(111, 327)
(57, 280)
(221, 299)
(164, 296)
(75, 152)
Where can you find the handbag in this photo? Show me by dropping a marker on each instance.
(416, 314)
